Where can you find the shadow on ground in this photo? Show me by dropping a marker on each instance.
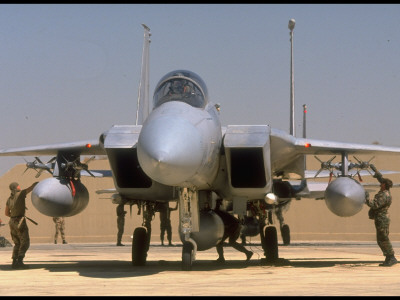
(125, 269)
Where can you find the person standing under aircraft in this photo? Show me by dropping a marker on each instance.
(120, 223)
(15, 209)
(165, 221)
(379, 207)
(231, 231)
(60, 227)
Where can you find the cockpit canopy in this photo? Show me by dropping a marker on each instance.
(181, 85)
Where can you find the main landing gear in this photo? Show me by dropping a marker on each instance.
(141, 236)
(269, 238)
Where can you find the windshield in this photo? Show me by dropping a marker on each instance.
(184, 86)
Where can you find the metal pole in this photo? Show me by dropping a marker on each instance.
(304, 120)
(292, 23)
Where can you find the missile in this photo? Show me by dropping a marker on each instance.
(37, 164)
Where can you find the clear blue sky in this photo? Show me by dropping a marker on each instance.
(69, 72)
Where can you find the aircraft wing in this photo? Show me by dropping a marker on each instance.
(311, 146)
(285, 141)
(287, 151)
(89, 147)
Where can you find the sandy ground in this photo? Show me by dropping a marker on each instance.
(305, 268)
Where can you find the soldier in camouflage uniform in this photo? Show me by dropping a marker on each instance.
(120, 223)
(165, 222)
(379, 212)
(15, 209)
(231, 232)
(60, 227)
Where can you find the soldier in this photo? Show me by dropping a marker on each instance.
(165, 221)
(120, 223)
(15, 209)
(379, 213)
(60, 227)
(231, 231)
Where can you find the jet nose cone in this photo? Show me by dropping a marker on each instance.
(169, 150)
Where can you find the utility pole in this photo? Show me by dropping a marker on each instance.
(291, 25)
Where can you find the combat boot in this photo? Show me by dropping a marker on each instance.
(65, 242)
(20, 264)
(220, 260)
(249, 254)
(389, 261)
(14, 263)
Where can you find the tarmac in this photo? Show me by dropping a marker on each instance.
(304, 268)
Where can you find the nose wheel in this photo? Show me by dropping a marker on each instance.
(139, 246)
(187, 256)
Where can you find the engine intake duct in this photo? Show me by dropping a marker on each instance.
(247, 150)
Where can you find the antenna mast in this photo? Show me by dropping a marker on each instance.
(291, 25)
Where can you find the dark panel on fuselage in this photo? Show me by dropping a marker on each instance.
(247, 168)
(127, 170)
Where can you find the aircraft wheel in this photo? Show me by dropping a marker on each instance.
(285, 231)
(271, 243)
(139, 251)
(187, 256)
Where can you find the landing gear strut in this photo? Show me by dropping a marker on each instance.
(189, 222)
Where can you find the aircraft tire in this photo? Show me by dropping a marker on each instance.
(271, 243)
(285, 232)
(187, 256)
(139, 251)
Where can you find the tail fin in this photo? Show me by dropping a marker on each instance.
(143, 105)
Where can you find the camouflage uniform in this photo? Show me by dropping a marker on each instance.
(232, 231)
(165, 222)
(18, 227)
(379, 210)
(120, 223)
(60, 227)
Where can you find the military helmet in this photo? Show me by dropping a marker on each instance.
(13, 186)
(388, 183)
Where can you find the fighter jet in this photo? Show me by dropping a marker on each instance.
(179, 151)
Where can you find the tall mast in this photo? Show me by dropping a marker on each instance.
(291, 25)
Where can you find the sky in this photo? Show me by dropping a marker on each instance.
(68, 72)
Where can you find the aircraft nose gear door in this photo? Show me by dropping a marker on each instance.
(189, 222)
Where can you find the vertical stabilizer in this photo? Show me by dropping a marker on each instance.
(143, 104)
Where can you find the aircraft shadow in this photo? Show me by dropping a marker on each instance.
(125, 269)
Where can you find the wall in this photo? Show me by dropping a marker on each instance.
(308, 219)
